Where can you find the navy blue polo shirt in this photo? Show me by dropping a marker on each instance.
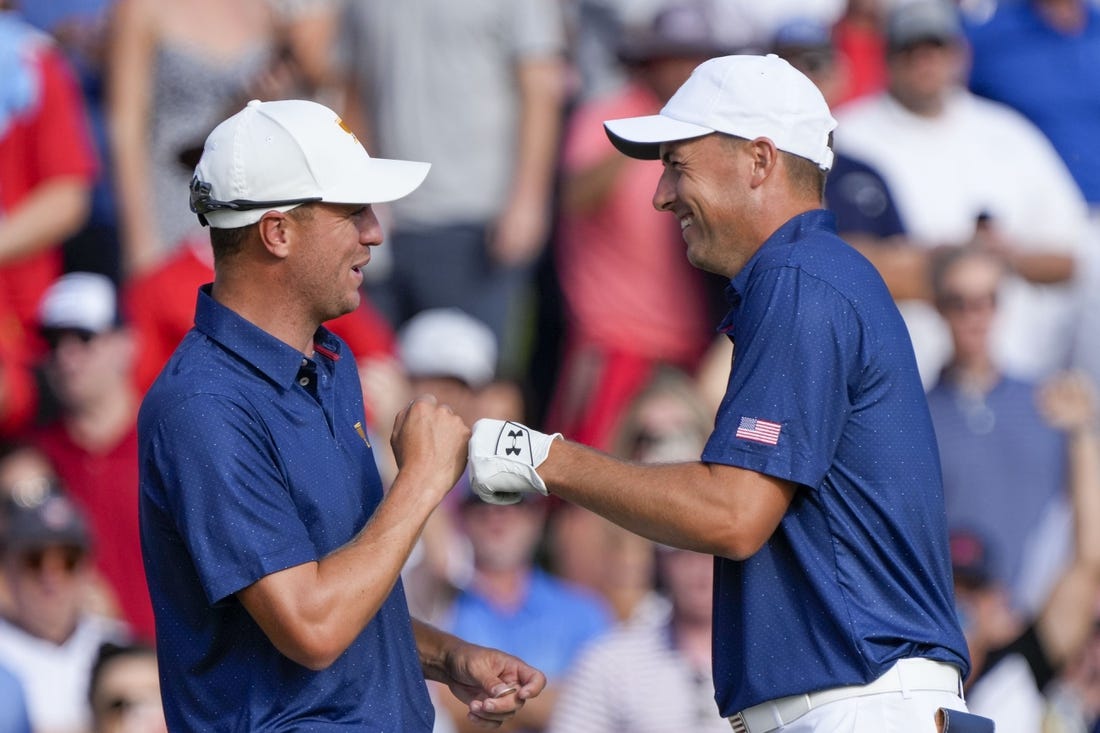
(824, 392)
(252, 460)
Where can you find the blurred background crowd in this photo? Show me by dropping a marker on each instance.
(529, 278)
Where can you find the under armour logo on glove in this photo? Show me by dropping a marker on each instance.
(503, 458)
(515, 439)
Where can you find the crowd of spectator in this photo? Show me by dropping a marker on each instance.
(530, 279)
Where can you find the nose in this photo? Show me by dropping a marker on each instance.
(370, 229)
(665, 195)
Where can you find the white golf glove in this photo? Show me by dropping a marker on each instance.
(503, 458)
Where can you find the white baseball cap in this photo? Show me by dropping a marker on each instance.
(745, 96)
(448, 342)
(86, 301)
(273, 156)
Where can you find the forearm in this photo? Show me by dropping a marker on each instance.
(53, 211)
(585, 190)
(903, 267)
(1084, 477)
(541, 93)
(432, 647)
(708, 508)
(1067, 618)
(313, 612)
(1043, 268)
(131, 53)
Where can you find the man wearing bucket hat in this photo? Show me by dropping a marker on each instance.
(272, 556)
(819, 489)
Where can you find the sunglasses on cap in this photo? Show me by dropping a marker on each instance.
(203, 203)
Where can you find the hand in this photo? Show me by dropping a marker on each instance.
(386, 388)
(430, 440)
(493, 684)
(1068, 401)
(519, 234)
(503, 457)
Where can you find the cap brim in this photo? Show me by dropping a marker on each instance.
(641, 137)
(377, 181)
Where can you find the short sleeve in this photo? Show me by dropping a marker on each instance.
(796, 341)
(230, 500)
(539, 28)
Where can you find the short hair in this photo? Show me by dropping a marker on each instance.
(803, 173)
(110, 651)
(226, 243)
(805, 176)
(944, 259)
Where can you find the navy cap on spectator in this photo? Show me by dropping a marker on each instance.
(970, 560)
(53, 521)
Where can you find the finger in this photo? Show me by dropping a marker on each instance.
(483, 722)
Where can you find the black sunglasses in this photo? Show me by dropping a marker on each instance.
(203, 203)
(34, 560)
(54, 336)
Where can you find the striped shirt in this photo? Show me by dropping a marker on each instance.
(635, 681)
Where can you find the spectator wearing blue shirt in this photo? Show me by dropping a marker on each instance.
(1005, 466)
(13, 706)
(819, 489)
(272, 555)
(1040, 57)
(511, 604)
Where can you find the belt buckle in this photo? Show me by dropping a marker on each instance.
(737, 722)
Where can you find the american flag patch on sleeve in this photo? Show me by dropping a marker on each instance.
(761, 431)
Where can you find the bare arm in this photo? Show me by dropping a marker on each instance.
(1067, 618)
(313, 612)
(902, 265)
(52, 212)
(1044, 268)
(523, 225)
(130, 68)
(710, 508)
(492, 686)
(585, 190)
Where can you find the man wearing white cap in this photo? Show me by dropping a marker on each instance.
(819, 489)
(272, 556)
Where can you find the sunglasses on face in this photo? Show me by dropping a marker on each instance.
(54, 336)
(959, 303)
(119, 706)
(35, 560)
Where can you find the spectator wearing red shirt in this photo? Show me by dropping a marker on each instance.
(160, 309)
(47, 165)
(93, 444)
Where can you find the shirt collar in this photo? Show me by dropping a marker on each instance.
(275, 359)
(795, 228)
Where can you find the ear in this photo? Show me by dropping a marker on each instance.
(764, 158)
(275, 233)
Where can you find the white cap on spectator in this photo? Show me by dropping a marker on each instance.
(273, 156)
(448, 342)
(746, 96)
(86, 301)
